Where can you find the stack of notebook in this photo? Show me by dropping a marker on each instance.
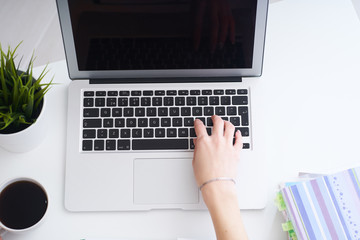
(326, 207)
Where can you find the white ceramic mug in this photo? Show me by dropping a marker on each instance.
(22, 185)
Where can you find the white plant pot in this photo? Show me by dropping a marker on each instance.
(29, 138)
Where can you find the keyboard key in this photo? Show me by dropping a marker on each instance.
(89, 133)
(192, 132)
(159, 132)
(145, 101)
(197, 111)
(140, 112)
(243, 112)
(88, 102)
(185, 111)
(202, 119)
(214, 100)
(136, 133)
(91, 112)
(208, 111)
(124, 93)
(101, 133)
(225, 100)
(148, 133)
(88, 93)
(105, 112)
(112, 93)
(108, 122)
(225, 118)
(116, 112)
(122, 102)
(99, 145)
(160, 93)
(134, 101)
(183, 92)
(148, 93)
(177, 122)
(235, 121)
(189, 122)
(100, 93)
(183, 132)
(123, 145)
(230, 91)
(157, 101)
(162, 112)
(154, 122)
(190, 101)
(171, 92)
(174, 111)
(111, 102)
(128, 112)
(125, 133)
(209, 130)
(244, 131)
(113, 133)
(160, 144)
(246, 145)
(231, 110)
(151, 112)
(179, 101)
(87, 145)
(131, 122)
(142, 122)
(239, 100)
(119, 122)
(220, 111)
(194, 92)
(192, 145)
(206, 92)
(135, 93)
(92, 123)
(202, 100)
(168, 101)
(165, 122)
(218, 92)
(110, 145)
(171, 132)
(209, 121)
(242, 91)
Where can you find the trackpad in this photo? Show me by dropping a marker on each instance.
(164, 181)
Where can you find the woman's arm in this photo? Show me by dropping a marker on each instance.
(215, 156)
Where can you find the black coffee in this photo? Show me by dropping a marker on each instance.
(22, 205)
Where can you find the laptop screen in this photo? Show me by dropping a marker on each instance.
(146, 35)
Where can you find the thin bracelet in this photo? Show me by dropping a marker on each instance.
(217, 179)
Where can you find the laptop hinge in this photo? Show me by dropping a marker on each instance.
(165, 80)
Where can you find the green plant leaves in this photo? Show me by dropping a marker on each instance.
(21, 95)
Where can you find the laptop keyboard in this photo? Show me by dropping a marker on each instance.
(157, 119)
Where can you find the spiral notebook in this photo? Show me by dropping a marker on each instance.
(326, 207)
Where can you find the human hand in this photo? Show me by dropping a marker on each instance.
(221, 20)
(216, 156)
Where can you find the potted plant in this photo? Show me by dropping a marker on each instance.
(22, 104)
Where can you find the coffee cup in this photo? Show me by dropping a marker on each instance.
(23, 204)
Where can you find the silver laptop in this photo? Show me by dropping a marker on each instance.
(142, 71)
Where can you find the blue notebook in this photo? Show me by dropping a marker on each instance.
(326, 207)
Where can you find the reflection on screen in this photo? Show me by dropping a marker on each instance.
(163, 34)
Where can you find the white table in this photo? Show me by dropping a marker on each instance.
(311, 80)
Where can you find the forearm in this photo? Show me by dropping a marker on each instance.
(221, 200)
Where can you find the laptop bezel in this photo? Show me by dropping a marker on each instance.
(76, 74)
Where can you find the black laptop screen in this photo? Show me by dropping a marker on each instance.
(162, 35)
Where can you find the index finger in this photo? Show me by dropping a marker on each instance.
(200, 129)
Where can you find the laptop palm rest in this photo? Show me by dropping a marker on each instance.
(164, 181)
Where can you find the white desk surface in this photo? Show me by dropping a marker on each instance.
(311, 81)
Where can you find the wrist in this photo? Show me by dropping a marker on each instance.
(219, 192)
